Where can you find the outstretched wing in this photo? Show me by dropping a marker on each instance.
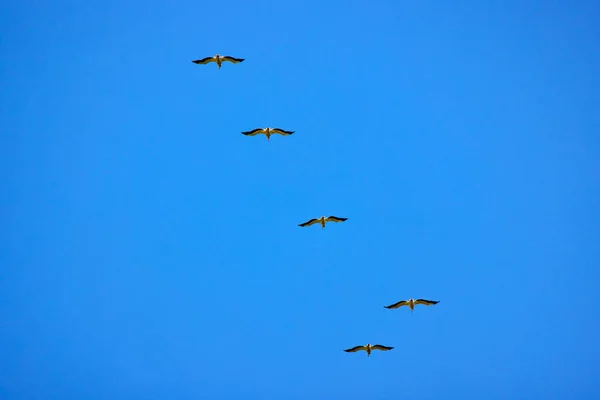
(205, 60)
(380, 347)
(355, 349)
(333, 218)
(253, 132)
(426, 302)
(232, 59)
(398, 304)
(309, 223)
(282, 131)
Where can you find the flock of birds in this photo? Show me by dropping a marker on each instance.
(411, 303)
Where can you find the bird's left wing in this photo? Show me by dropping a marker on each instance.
(333, 218)
(204, 60)
(309, 223)
(232, 59)
(355, 349)
(426, 302)
(253, 132)
(380, 347)
(398, 304)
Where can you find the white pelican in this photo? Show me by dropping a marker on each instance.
(323, 220)
(219, 60)
(368, 348)
(268, 132)
(411, 303)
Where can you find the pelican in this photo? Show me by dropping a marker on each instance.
(219, 60)
(268, 132)
(411, 303)
(368, 348)
(323, 220)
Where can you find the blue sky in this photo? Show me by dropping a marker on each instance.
(151, 251)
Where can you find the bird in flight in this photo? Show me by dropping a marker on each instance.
(411, 303)
(268, 132)
(219, 60)
(368, 348)
(323, 220)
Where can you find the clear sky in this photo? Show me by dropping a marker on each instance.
(149, 250)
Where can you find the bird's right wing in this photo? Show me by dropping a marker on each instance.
(333, 218)
(398, 304)
(355, 349)
(253, 132)
(232, 59)
(426, 302)
(380, 347)
(309, 223)
(205, 60)
(282, 131)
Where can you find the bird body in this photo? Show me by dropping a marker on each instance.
(219, 59)
(323, 220)
(268, 132)
(368, 348)
(411, 303)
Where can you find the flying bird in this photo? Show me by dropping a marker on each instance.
(323, 220)
(411, 303)
(219, 60)
(368, 348)
(268, 132)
